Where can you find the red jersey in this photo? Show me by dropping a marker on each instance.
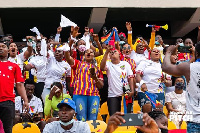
(73, 78)
(10, 73)
(84, 84)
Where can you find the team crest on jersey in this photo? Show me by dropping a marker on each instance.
(10, 67)
(122, 67)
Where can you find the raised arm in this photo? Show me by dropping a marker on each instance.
(152, 40)
(105, 57)
(29, 50)
(129, 28)
(96, 39)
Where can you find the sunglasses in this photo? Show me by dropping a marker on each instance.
(128, 48)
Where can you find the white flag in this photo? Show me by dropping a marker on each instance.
(35, 29)
(65, 22)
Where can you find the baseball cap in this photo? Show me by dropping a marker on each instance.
(67, 101)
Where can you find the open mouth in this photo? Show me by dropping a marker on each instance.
(1, 52)
(88, 55)
(13, 50)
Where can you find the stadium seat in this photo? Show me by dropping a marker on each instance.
(184, 125)
(136, 107)
(171, 125)
(104, 112)
(25, 128)
(97, 126)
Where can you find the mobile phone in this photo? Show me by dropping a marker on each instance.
(132, 119)
(92, 70)
(184, 49)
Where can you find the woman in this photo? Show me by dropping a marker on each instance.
(139, 49)
(39, 63)
(149, 76)
(126, 51)
(88, 80)
(51, 101)
(175, 100)
(57, 71)
(120, 77)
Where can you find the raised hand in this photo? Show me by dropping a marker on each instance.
(96, 37)
(114, 121)
(149, 126)
(128, 26)
(59, 29)
(75, 32)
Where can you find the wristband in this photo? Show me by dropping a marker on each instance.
(129, 32)
(30, 44)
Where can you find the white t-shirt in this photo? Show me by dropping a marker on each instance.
(35, 104)
(117, 75)
(40, 64)
(152, 74)
(193, 92)
(19, 60)
(57, 72)
(178, 100)
(78, 127)
(139, 57)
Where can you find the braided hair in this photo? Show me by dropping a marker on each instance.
(156, 114)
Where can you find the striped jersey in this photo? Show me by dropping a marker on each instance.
(84, 84)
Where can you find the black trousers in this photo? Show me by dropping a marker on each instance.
(114, 105)
(7, 115)
(103, 92)
(39, 89)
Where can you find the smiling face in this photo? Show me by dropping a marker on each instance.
(155, 54)
(66, 113)
(58, 54)
(140, 48)
(126, 50)
(89, 55)
(13, 50)
(3, 50)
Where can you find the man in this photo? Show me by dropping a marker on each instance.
(35, 106)
(67, 124)
(192, 73)
(9, 73)
(13, 50)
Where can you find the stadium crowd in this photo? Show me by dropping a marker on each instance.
(60, 85)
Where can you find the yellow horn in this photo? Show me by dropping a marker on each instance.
(165, 27)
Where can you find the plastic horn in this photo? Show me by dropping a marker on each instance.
(158, 27)
(165, 27)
